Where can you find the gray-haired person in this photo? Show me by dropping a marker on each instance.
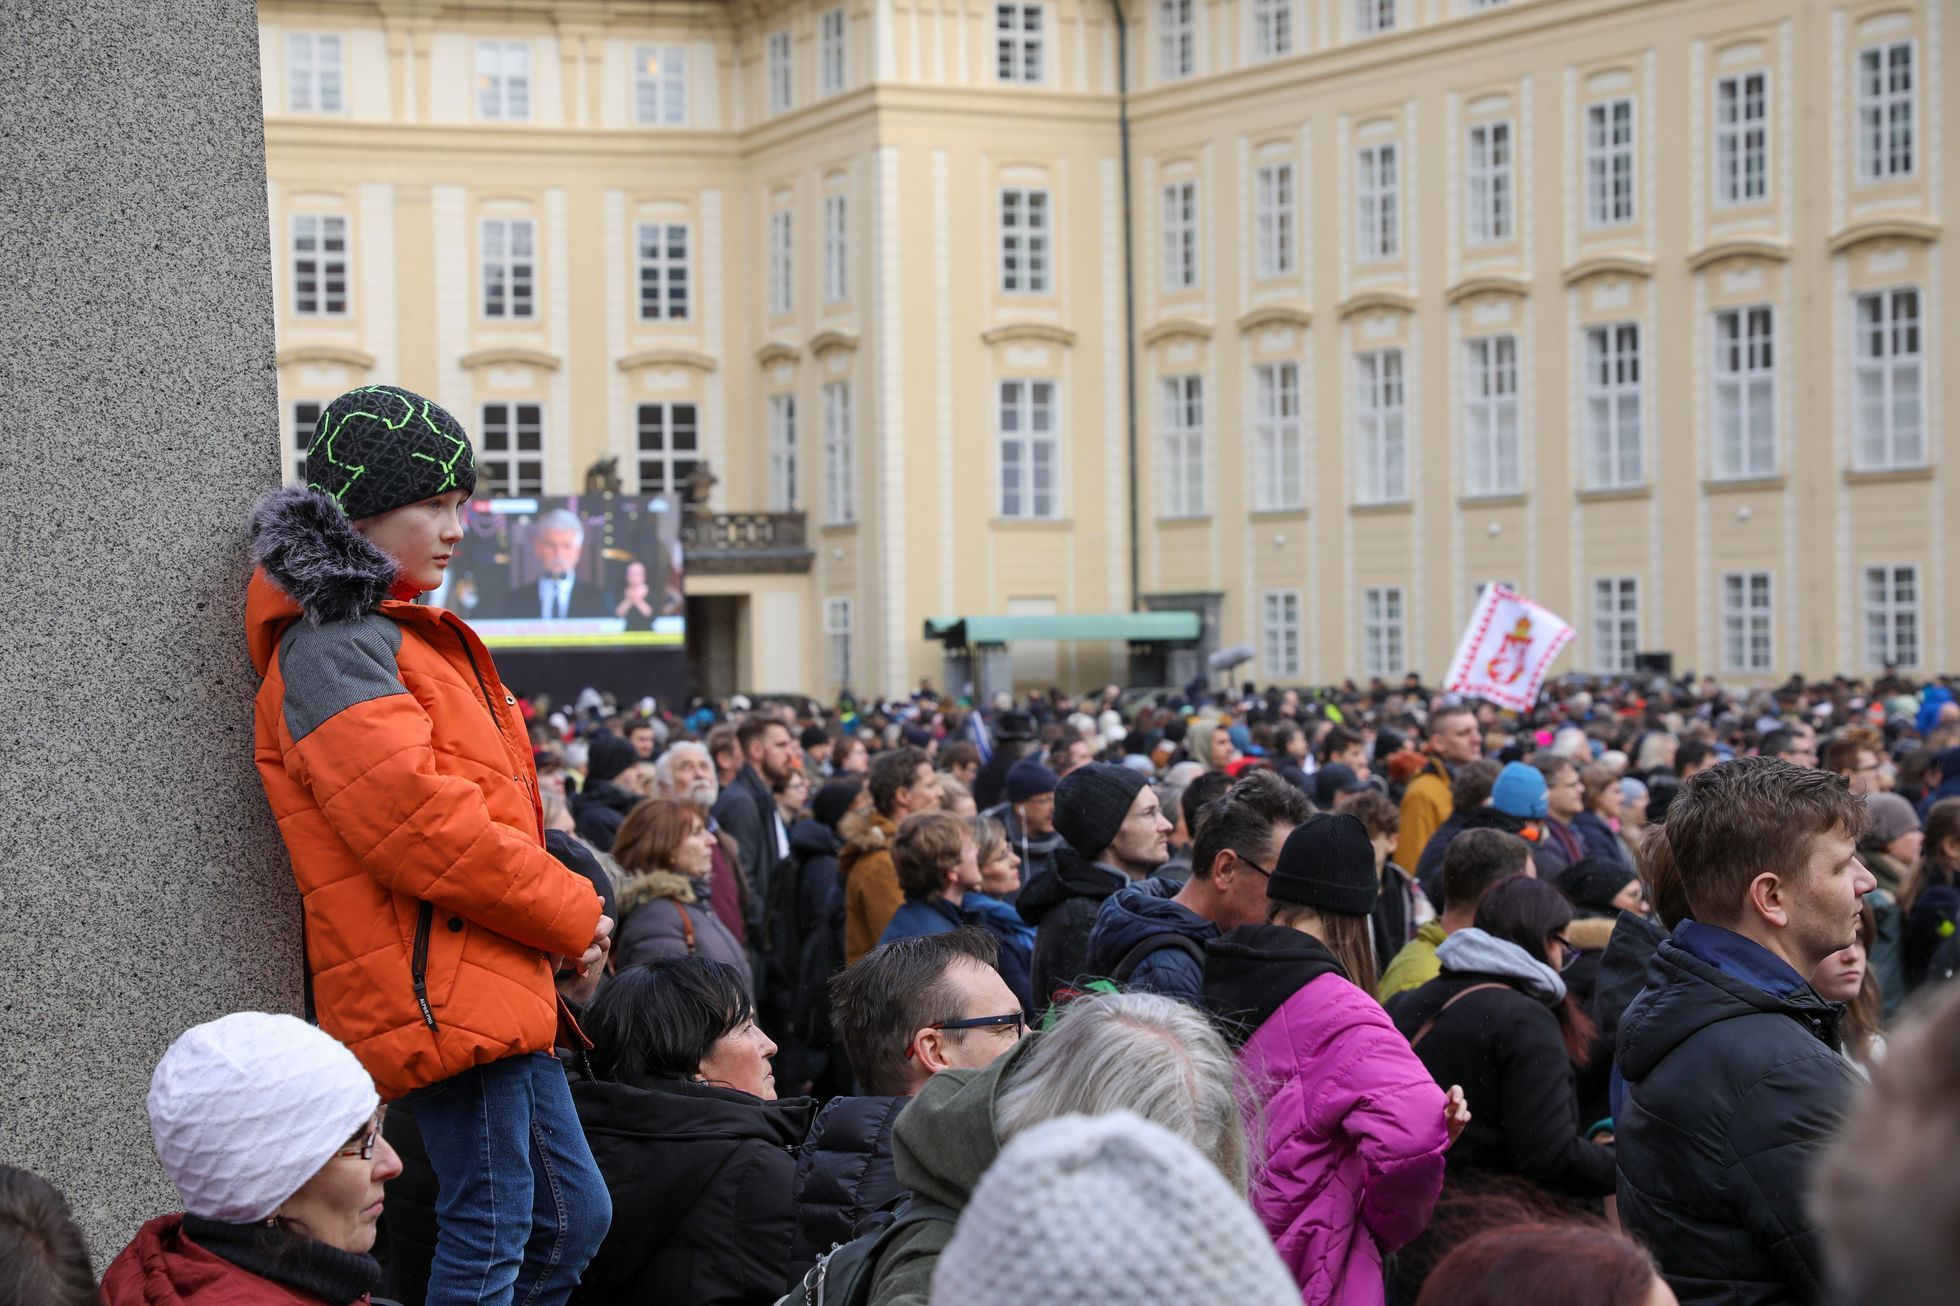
(557, 593)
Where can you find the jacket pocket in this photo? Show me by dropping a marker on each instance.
(425, 915)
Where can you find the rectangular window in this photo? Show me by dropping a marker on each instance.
(1380, 438)
(1184, 446)
(662, 257)
(1742, 139)
(1177, 39)
(1024, 241)
(306, 416)
(669, 446)
(837, 634)
(313, 73)
(1372, 16)
(510, 463)
(1490, 179)
(1383, 633)
(839, 455)
(782, 267)
(503, 81)
(831, 65)
(1892, 617)
(1748, 622)
(1276, 436)
(1279, 633)
(781, 79)
(319, 264)
(1181, 236)
(1490, 416)
(782, 453)
(1274, 220)
(1615, 442)
(1272, 28)
(1609, 163)
(836, 249)
(1745, 393)
(1017, 42)
(1885, 129)
(1891, 424)
(660, 84)
(509, 268)
(1028, 463)
(1616, 624)
(1377, 200)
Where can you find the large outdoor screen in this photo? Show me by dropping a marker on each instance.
(577, 571)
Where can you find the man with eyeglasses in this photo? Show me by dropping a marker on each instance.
(905, 1011)
(1857, 762)
(1559, 845)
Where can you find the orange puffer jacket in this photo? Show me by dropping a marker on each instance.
(400, 773)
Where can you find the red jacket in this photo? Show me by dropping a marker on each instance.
(163, 1267)
(400, 773)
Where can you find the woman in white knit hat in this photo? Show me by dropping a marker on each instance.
(271, 1132)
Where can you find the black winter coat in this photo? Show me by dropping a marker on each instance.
(844, 1175)
(1731, 1094)
(701, 1182)
(598, 813)
(1062, 906)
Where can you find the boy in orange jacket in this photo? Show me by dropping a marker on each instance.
(400, 772)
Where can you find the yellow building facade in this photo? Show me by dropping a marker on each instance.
(1311, 316)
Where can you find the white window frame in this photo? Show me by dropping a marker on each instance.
(1615, 624)
(503, 81)
(1279, 634)
(1893, 628)
(1377, 203)
(1183, 473)
(314, 259)
(664, 288)
(837, 634)
(1889, 379)
(316, 73)
(1384, 632)
(1373, 17)
(1276, 437)
(1180, 214)
(1741, 154)
(509, 277)
(1492, 418)
(510, 471)
(839, 454)
(1026, 412)
(782, 263)
(784, 488)
(1020, 42)
(671, 421)
(1275, 221)
(1272, 28)
(1748, 622)
(836, 248)
(1027, 227)
(660, 85)
(833, 51)
(1381, 439)
(1491, 182)
(780, 71)
(1177, 39)
(1610, 163)
(304, 417)
(1886, 123)
(1615, 407)
(1743, 443)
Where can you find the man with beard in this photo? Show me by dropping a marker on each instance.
(686, 774)
(747, 809)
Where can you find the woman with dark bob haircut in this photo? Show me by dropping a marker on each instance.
(1546, 1265)
(699, 1156)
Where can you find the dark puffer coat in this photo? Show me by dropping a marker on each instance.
(1062, 907)
(1731, 1094)
(1138, 913)
(844, 1175)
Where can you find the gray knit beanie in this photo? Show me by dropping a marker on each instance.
(1091, 802)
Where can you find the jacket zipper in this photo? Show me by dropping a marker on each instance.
(489, 704)
(425, 914)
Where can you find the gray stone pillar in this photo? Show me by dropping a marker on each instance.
(144, 887)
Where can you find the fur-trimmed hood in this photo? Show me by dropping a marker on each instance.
(865, 834)
(309, 549)
(637, 890)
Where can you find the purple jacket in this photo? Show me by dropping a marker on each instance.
(1354, 1133)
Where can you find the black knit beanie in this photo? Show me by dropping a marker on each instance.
(1327, 864)
(606, 755)
(833, 801)
(1091, 802)
(381, 447)
(1593, 882)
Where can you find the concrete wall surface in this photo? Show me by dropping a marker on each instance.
(142, 885)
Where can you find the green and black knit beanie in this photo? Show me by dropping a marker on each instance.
(380, 447)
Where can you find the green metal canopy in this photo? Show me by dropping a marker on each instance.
(1136, 627)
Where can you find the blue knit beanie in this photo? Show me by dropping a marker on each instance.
(1519, 791)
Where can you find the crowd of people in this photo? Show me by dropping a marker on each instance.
(1363, 996)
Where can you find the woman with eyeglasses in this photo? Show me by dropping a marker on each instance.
(698, 1154)
(1500, 1021)
(270, 1130)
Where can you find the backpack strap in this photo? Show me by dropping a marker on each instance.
(1156, 943)
(1430, 1024)
(687, 924)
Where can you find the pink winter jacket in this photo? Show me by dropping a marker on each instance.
(1354, 1139)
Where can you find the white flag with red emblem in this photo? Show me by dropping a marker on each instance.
(1506, 649)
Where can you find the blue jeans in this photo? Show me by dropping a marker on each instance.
(521, 1207)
